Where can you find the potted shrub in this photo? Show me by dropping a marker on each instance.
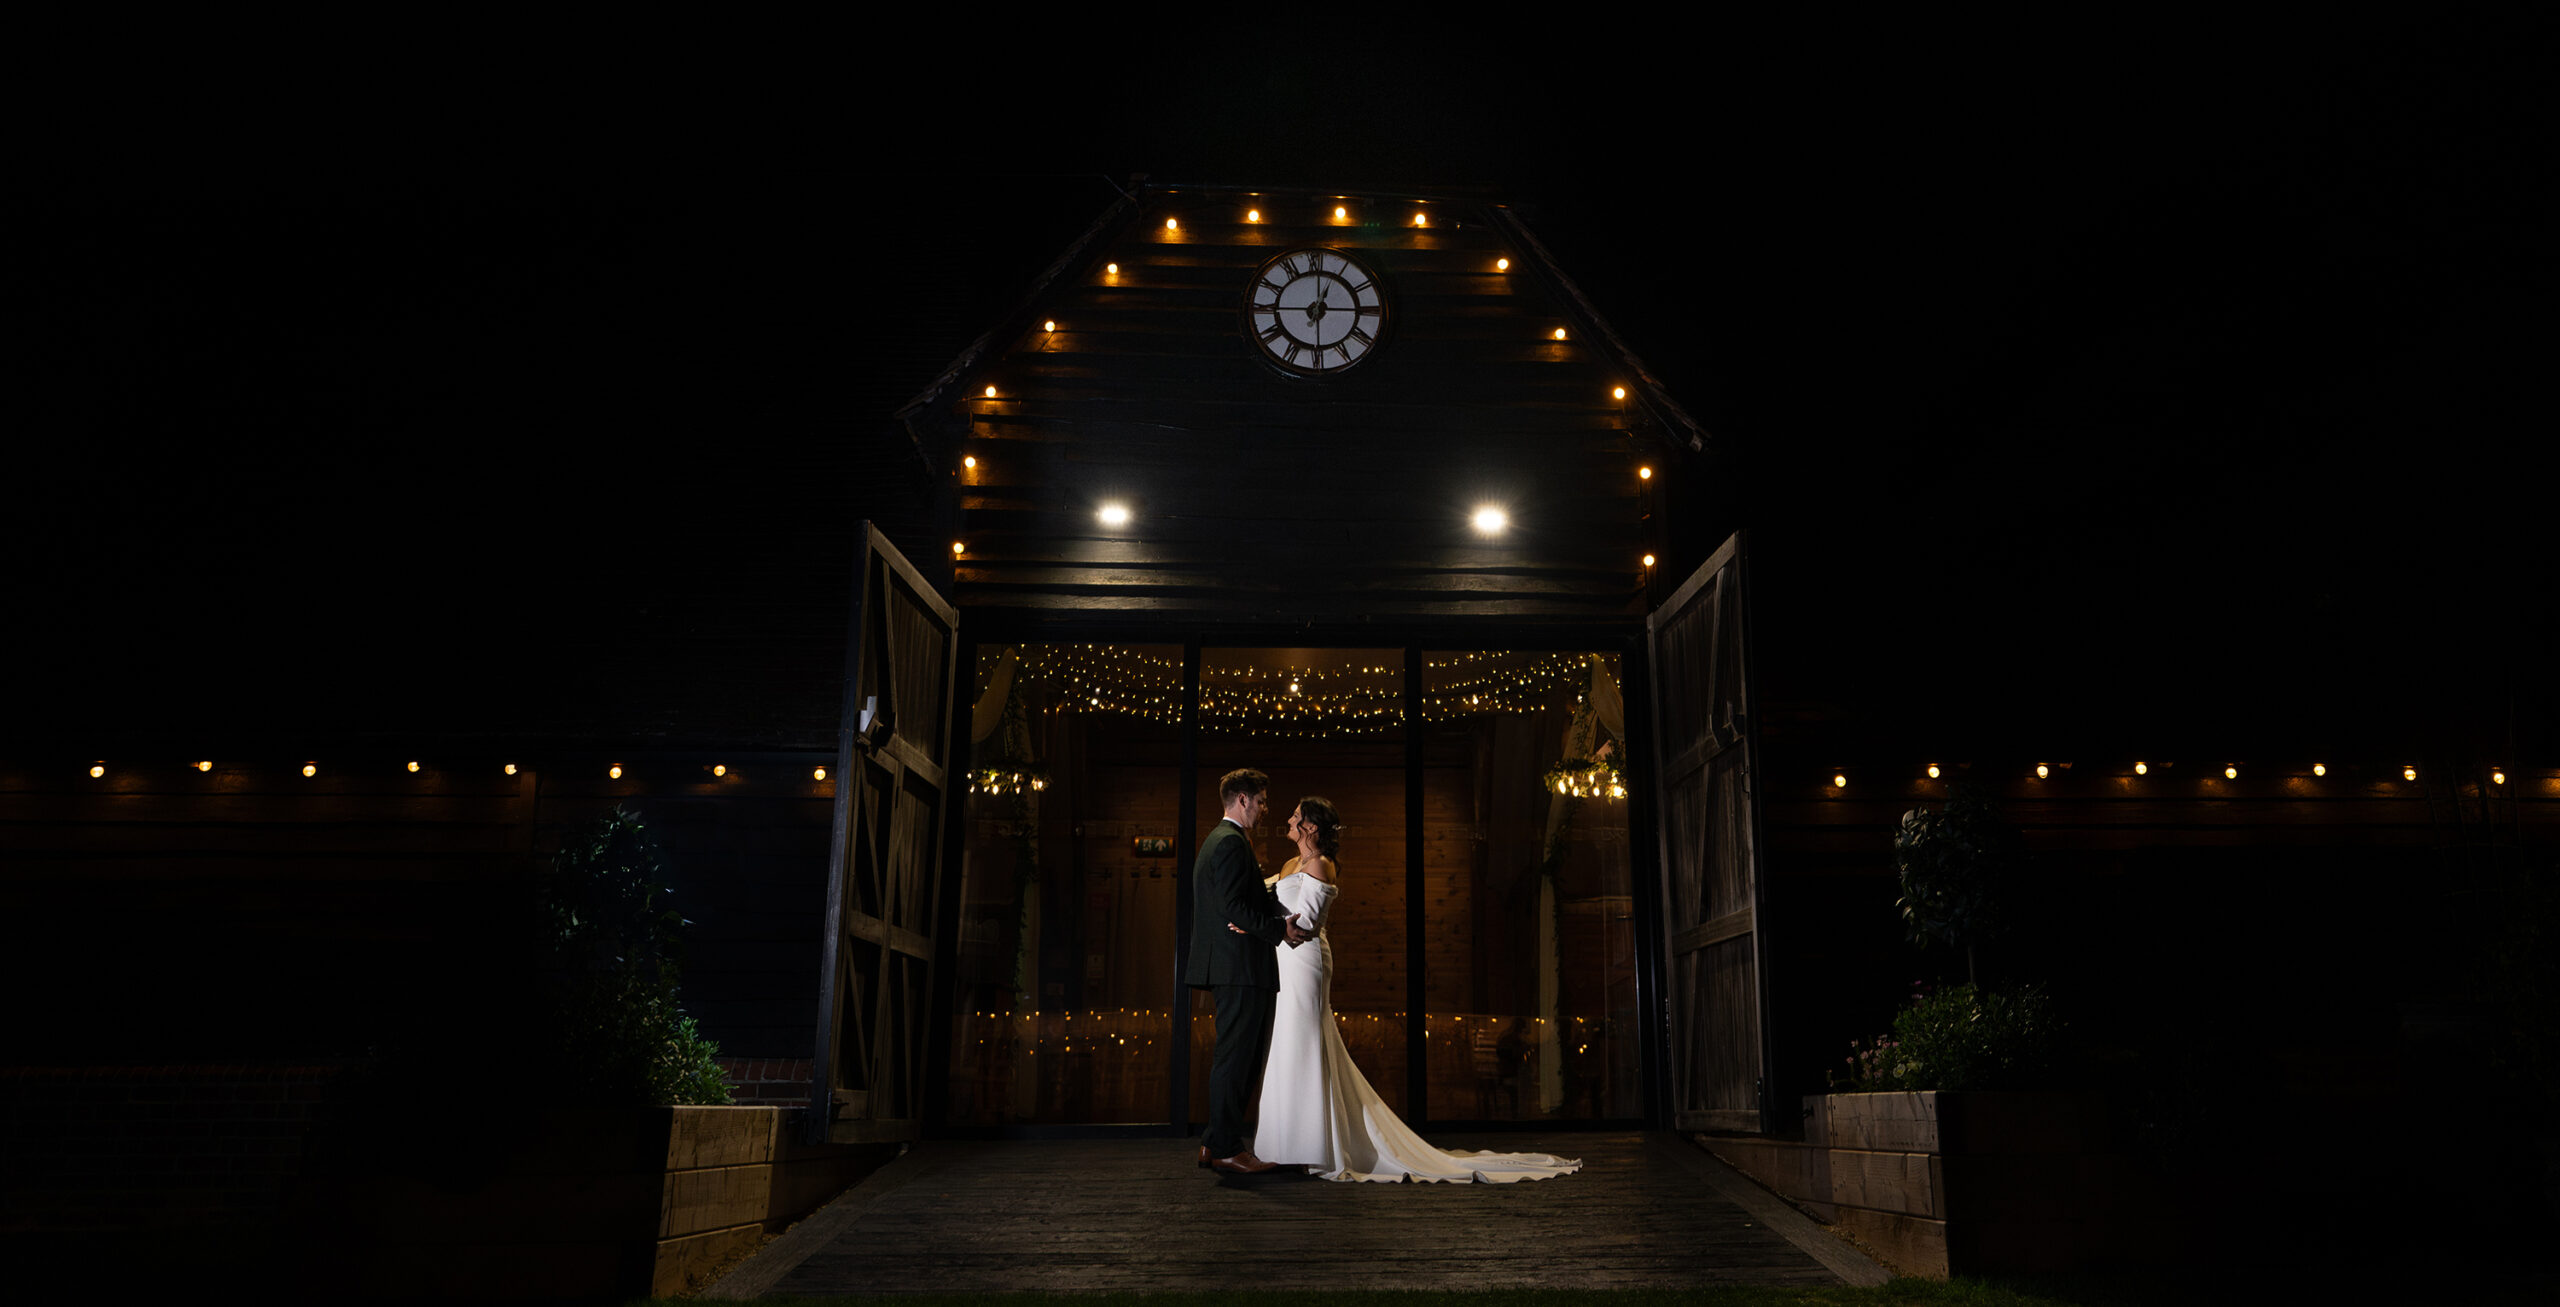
(1956, 1142)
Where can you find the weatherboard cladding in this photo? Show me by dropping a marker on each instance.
(1259, 495)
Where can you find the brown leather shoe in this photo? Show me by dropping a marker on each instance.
(1204, 1157)
(1244, 1163)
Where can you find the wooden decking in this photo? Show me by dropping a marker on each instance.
(1646, 1211)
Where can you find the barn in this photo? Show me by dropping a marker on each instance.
(1358, 489)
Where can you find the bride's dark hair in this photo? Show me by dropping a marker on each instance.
(1318, 812)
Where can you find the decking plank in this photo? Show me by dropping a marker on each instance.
(1137, 1216)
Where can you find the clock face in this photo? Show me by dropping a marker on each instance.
(1315, 311)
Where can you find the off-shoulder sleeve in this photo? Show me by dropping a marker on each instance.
(1314, 901)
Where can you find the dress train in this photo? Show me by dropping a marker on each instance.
(1318, 1111)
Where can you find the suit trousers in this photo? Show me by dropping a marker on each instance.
(1235, 1062)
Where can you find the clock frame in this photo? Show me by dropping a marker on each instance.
(1315, 311)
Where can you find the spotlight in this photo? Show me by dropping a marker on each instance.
(1490, 520)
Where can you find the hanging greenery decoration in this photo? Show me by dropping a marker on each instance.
(1589, 778)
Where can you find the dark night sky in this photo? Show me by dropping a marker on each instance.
(2081, 376)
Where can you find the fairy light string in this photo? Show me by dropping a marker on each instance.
(1291, 701)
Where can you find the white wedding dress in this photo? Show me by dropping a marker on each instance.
(1318, 1111)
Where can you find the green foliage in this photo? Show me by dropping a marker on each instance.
(1962, 1038)
(608, 1022)
(1956, 867)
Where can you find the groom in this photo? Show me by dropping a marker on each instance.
(1239, 969)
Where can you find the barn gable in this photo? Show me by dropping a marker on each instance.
(1132, 377)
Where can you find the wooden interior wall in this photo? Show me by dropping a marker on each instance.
(250, 911)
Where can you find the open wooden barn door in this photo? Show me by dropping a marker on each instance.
(893, 783)
(1716, 970)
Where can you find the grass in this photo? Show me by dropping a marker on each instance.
(2082, 1290)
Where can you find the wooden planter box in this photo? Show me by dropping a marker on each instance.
(1961, 1183)
(552, 1203)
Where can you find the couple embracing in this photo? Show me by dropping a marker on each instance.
(1275, 1006)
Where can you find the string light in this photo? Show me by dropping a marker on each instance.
(413, 766)
(2497, 776)
(991, 392)
(1111, 269)
(614, 771)
(310, 769)
(204, 766)
(1172, 225)
(1340, 213)
(2231, 773)
(1644, 474)
(97, 770)
(1502, 265)
(1253, 215)
(1617, 392)
(2042, 771)
(1839, 780)
(511, 769)
(1648, 560)
(2319, 769)
(2408, 773)
(1050, 325)
(1933, 771)
(1559, 333)
(969, 460)
(959, 547)
(2141, 769)
(818, 773)
(1417, 220)
(719, 769)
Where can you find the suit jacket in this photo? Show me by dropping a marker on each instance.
(1226, 886)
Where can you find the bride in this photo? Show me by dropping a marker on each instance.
(1318, 1111)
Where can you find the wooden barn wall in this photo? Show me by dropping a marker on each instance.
(2327, 937)
(252, 912)
(1258, 495)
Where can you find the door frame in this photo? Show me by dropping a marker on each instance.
(983, 628)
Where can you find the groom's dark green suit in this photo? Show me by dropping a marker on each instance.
(1240, 970)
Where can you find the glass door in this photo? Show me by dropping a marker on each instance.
(1064, 1008)
(1325, 722)
(1518, 860)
